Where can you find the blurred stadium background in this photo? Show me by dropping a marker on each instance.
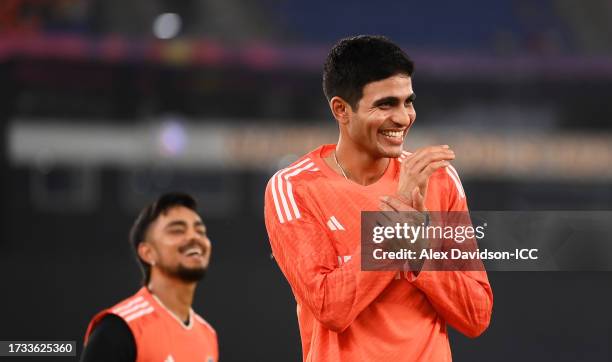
(105, 104)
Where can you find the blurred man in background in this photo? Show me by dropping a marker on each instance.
(312, 214)
(157, 323)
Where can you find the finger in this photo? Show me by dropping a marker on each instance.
(389, 216)
(413, 177)
(409, 172)
(430, 169)
(434, 148)
(425, 150)
(380, 219)
(412, 158)
(420, 164)
(383, 206)
(423, 178)
(396, 203)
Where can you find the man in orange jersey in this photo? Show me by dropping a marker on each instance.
(157, 323)
(312, 214)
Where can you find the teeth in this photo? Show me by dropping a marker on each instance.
(397, 134)
(196, 251)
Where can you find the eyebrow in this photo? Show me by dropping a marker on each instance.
(184, 224)
(393, 100)
(386, 100)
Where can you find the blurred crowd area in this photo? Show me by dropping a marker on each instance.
(106, 103)
(501, 27)
(521, 89)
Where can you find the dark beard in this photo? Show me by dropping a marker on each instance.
(190, 274)
(185, 274)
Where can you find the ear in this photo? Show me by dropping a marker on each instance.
(340, 109)
(147, 253)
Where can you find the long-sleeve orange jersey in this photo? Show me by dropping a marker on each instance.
(313, 220)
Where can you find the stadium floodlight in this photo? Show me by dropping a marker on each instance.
(167, 25)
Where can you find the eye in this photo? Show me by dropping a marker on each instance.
(385, 105)
(176, 231)
(410, 100)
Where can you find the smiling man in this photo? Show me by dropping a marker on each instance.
(157, 323)
(312, 214)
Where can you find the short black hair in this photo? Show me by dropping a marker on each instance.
(148, 215)
(356, 61)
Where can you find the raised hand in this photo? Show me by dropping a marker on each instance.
(416, 170)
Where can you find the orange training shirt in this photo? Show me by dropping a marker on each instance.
(159, 334)
(312, 215)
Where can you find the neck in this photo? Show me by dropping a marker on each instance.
(359, 165)
(176, 295)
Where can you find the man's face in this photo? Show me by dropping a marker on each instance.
(383, 116)
(180, 246)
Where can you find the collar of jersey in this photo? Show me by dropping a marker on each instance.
(171, 314)
(325, 150)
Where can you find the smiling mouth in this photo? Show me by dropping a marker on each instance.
(393, 134)
(194, 252)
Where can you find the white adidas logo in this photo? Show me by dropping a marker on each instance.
(343, 259)
(169, 358)
(333, 224)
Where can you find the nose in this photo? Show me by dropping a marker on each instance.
(193, 234)
(405, 116)
(197, 236)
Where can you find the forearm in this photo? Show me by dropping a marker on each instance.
(463, 299)
(335, 295)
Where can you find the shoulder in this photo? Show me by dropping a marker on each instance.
(105, 324)
(302, 172)
(112, 340)
(297, 172)
(287, 189)
(286, 182)
(203, 323)
(446, 187)
(450, 177)
(126, 310)
(113, 325)
(133, 308)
